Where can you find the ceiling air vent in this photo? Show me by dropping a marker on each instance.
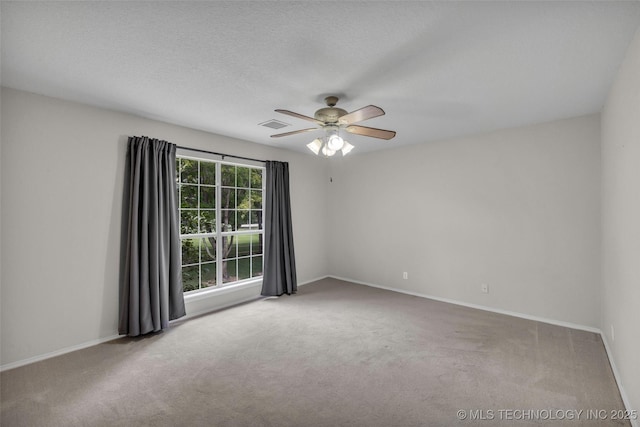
(274, 124)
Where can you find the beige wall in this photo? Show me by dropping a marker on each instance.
(621, 222)
(516, 209)
(62, 178)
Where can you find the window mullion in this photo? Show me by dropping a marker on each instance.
(218, 224)
(199, 229)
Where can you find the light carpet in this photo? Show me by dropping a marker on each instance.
(335, 354)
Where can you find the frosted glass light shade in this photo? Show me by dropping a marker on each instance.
(346, 148)
(335, 143)
(315, 146)
(328, 151)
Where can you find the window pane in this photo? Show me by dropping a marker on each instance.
(256, 199)
(208, 249)
(228, 220)
(243, 219)
(243, 201)
(256, 244)
(243, 244)
(207, 173)
(243, 175)
(244, 268)
(256, 219)
(190, 278)
(229, 246)
(190, 251)
(256, 178)
(229, 273)
(188, 222)
(228, 198)
(256, 265)
(188, 171)
(189, 196)
(208, 221)
(228, 173)
(208, 275)
(207, 197)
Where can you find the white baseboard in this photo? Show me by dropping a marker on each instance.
(313, 280)
(91, 343)
(479, 307)
(616, 373)
(60, 352)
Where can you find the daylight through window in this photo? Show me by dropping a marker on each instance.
(220, 222)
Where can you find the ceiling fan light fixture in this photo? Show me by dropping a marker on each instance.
(335, 143)
(315, 146)
(346, 148)
(327, 152)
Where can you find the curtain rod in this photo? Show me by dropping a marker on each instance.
(220, 154)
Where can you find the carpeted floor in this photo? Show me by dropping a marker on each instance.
(335, 354)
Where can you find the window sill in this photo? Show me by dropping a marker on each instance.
(223, 290)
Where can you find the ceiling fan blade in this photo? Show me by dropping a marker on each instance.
(293, 132)
(364, 113)
(366, 131)
(300, 116)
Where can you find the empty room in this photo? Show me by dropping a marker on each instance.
(320, 213)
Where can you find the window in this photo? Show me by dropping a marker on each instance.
(220, 222)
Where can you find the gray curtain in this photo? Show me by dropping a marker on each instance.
(279, 268)
(151, 287)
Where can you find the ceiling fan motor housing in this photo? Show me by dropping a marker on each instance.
(331, 113)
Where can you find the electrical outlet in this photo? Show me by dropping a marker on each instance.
(613, 334)
(405, 275)
(484, 288)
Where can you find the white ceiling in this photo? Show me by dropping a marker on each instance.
(438, 69)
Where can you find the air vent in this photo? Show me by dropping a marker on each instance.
(274, 124)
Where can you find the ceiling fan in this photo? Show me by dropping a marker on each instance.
(332, 119)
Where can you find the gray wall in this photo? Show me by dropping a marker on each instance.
(62, 177)
(621, 222)
(516, 209)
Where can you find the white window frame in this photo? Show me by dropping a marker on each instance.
(206, 157)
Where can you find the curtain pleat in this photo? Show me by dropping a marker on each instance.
(151, 291)
(279, 271)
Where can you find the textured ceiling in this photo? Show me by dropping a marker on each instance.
(439, 69)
